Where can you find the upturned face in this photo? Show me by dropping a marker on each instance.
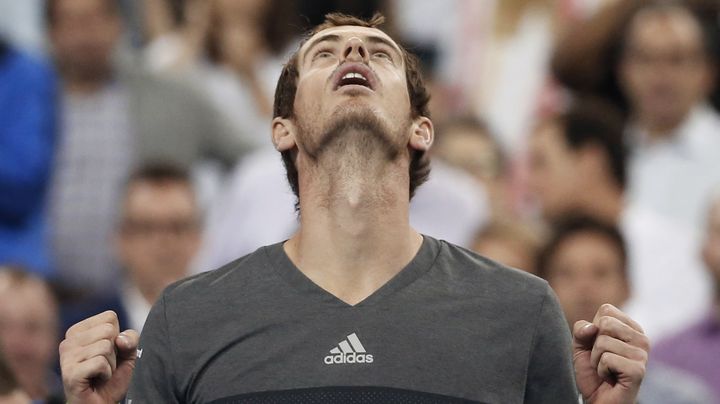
(352, 90)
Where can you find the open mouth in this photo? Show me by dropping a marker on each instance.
(354, 74)
(354, 78)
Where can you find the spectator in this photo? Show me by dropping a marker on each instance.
(585, 263)
(235, 51)
(493, 56)
(27, 137)
(29, 332)
(112, 118)
(697, 349)
(157, 236)
(657, 59)
(512, 243)
(577, 162)
(466, 143)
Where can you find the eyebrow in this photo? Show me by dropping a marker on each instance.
(374, 39)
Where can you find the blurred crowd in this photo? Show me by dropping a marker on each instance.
(578, 140)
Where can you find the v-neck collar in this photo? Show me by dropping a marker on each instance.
(424, 259)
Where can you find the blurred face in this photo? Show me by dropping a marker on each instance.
(554, 177)
(585, 272)
(352, 80)
(84, 35)
(28, 332)
(470, 151)
(711, 246)
(664, 71)
(159, 234)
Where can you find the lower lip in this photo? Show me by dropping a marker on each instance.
(355, 88)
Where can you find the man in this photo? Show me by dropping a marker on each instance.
(156, 237)
(656, 59)
(585, 262)
(697, 348)
(667, 71)
(29, 332)
(577, 166)
(356, 305)
(113, 117)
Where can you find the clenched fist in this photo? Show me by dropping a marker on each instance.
(97, 360)
(610, 355)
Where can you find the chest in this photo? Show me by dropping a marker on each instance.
(450, 350)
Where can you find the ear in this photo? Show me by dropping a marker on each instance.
(423, 134)
(283, 134)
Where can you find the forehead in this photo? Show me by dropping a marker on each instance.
(345, 32)
(676, 23)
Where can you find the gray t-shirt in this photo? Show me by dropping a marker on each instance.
(450, 327)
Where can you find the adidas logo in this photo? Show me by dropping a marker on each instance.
(349, 350)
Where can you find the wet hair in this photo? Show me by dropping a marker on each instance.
(573, 225)
(419, 97)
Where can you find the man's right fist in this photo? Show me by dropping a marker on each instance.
(97, 360)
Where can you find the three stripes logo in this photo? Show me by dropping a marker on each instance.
(349, 350)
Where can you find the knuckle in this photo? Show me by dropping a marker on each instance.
(107, 346)
(606, 309)
(604, 360)
(605, 323)
(108, 330)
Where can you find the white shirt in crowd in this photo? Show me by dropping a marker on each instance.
(674, 177)
(670, 289)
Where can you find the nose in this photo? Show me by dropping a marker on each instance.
(355, 51)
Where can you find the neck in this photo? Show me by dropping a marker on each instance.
(83, 87)
(660, 128)
(149, 292)
(84, 82)
(354, 231)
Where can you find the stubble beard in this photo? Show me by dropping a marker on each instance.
(352, 154)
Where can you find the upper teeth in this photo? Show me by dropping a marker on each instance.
(352, 75)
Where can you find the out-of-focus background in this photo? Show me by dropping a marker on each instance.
(578, 140)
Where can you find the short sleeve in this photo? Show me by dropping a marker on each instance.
(550, 377)
(153, 380)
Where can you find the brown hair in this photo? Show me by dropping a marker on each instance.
(573, 225)
(419, 97)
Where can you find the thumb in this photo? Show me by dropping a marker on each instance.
(127, 343)
(584, 334)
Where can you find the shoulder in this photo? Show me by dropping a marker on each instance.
(474, 273)
(242, 273)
